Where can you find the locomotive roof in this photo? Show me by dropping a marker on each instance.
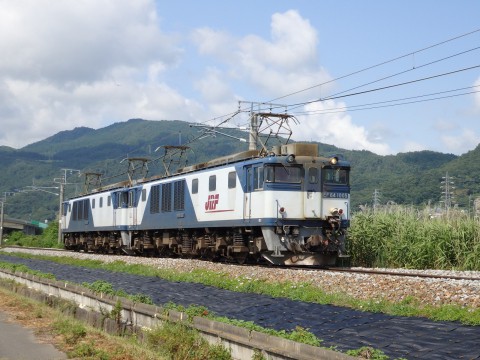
(298, 149)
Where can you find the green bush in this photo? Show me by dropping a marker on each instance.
(48, 238)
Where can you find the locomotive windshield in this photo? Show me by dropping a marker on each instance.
(283, 174)
(335, 176)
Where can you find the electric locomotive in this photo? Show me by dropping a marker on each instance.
(288, 206)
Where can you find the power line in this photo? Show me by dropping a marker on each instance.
(402, 72)
(388, 86)
(230, 115)
(336, 95)
(348, 108)
(384, 63)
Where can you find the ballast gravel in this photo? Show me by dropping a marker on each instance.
(361, 286)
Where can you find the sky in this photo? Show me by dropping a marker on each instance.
(383, 76)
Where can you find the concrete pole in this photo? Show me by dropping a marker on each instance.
(60, 212)
(252, 139)
(1, 225)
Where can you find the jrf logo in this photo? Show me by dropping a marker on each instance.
(212, 202)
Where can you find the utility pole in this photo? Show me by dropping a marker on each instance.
(2, 214)
(1, 224)
(62, 181)
(252, 138)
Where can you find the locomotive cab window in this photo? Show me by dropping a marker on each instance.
(335, 176)
(283, 174)
(232, 180)
(212, 183)
(123, 200)
(195, 186)
(313, 175)
(258, 177)
(65, 209)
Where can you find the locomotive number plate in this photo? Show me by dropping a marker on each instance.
(335, 195)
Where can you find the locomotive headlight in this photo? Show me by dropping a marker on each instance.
(334, 160)
(281, 210)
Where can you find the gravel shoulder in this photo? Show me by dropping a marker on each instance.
(361, 286)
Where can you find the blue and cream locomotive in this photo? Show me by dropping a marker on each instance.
(289, 206)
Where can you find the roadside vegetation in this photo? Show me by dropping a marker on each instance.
(48, 239)
(170, 341)
(164, 340)
(403, 237)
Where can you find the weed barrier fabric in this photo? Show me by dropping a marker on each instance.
(338, 327)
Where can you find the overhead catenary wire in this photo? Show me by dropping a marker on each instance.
(401, 72)
(364, 107)
(384, 63)
(386, 87)
(351, 107)
(293, 106)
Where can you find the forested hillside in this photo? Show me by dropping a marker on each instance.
(407, 178)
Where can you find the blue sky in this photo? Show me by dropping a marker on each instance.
(93, 63)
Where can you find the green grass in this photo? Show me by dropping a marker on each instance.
(165, 340)
(299, 334)
(295, 291)
(101, 286)
(402, 237)
(25, 269)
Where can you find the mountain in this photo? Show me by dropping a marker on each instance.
(406, 178)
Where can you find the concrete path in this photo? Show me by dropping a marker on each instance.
(19, 343)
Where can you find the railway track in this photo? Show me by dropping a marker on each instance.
(366, 271)
(403, 274)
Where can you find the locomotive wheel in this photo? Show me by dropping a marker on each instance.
(241, 258)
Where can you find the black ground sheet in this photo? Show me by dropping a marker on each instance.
(398, 337)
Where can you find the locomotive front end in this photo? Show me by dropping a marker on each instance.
(311, 197)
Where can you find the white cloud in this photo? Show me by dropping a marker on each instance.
(211, 42)
(466, 140)
(284, 64)
(88, 104)
(94, 62)
(74, 63)
(336, 129)
(79, 40)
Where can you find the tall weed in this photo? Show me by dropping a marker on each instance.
(408, 238)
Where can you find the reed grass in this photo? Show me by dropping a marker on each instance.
(408, 238)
